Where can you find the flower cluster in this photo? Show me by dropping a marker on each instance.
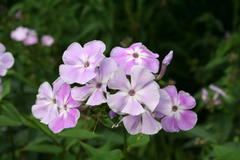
(29, 37)
(6, 62)
(125, 81)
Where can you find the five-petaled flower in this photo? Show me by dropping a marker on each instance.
(136, 97)
(80, 63)
(96, 88)
(136, 54)
(175, 108)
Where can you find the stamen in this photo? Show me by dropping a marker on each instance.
(131, 92)
(86, 64)
(174, 108)
(98, 85)
(135, 55)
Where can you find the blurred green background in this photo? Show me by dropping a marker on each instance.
(205, 38)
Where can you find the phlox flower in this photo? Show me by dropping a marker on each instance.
(136, 54)
(6, 60)
(218, 90)
(31, 38)
(47, 40)
(144, 123)
(175, 108)
(136, 97)
(96, 88)
(80, 62)
(19, 34)
(55, 106)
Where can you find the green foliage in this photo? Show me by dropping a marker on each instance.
(205, 38)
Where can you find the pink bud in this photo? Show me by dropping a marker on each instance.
(47, 40)
(168, 58)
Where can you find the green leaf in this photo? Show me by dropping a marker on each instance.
(44, 148)
(78, 133)
(5, 121)
(138, 140)
(6, 89)
(201, 132)
(227, 152)
(102, 153)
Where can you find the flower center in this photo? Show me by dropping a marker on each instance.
(174, 108)
(135, 55)
(86, 64)
(98, 85)
(131, 92)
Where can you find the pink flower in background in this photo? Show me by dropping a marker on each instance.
(96, 88)
(136, 54)
(136, 97)
(6, 60)
(31, 38)
(204, 95)
(55, 107)
(175, 106)
(47, 40)
(218, 90)
(143, 123)
(18, 14)
(19, 34)
(68, 110)
(80, 63)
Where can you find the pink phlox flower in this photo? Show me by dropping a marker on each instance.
(136, 97)
(218, 90)
(47, 40)
(80, 63)
(96, 88)
(31, 38)
(175, 106)
(136, 54)
(19, 34)
(55, 106)
(6, 60)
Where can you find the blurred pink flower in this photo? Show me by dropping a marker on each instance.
(31, 38)
(218, 90)
(136, 54)
(6, 60)
(19, 34)
(96, 88)
(47, 40)
(80, 63)
(18, 14)
(204, 95)
(175, 106)
(135, 97)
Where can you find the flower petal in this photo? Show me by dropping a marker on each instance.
(45, 91)
(117, 101)
(57, 125)
(2, 48)
(119, 81)
(63, 94)
(72, 117)
(140, 77)
(149, 124)
(149, 95)
(165, 103)
(133, 107)
(96, 98)
(82, 93)
(107, 67)
(132, 124)
(169, 124)
(187, 120)
(74, 54)
(186, 100)
(151, 63)
(172, 91)
(94, 47)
